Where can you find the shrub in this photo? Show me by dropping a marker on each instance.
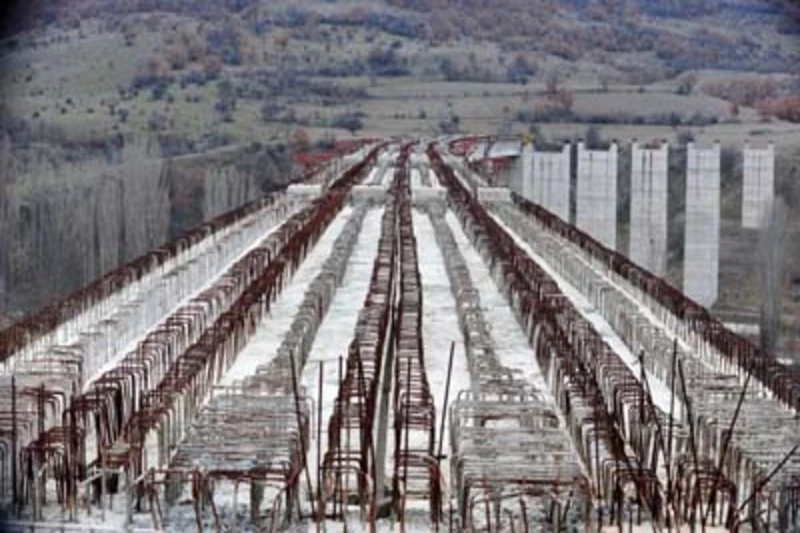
(159, 90)
(685, 137)
(171, 145)
(385, 62)
(593, 138)
(226, 100)
(687, 83)
(155, 70)
(157, 121)
(212, 67)
(783, 108)
(742, 92)
(348, 121)
(226, 44)
(177, 56)
(271, 111)
(520, 70)
(451, 125)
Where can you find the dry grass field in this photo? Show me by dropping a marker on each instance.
(263, 71)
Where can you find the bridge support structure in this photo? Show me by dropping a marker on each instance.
(758, 188)
(648, 221)
(596, 209)
(701, 241)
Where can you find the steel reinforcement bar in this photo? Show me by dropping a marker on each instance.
(416, 472)
(471, 470)
(97, 417)
(513, 463)
(132, 410)
(580, 364)
(83, 300)
(98, 422)
(117, 321)
(539, 481)
(677, 310)
(256, 431)
(183, 388)
(740, 435)
(34, 326)
(350, 453)
(487, 374)
(276, 376)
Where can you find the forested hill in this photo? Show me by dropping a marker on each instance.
(678, 34)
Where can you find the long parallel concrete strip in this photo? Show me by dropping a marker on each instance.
(265, 376)
(766, 429)
(335, 332)
(582, 421)
(502, 394)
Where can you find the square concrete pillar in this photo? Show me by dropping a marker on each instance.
(758, 188)
(597, 194)
(648, 222)
(701, 242)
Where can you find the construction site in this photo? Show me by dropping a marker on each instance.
(401, 341)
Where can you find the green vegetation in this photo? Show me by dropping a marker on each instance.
(85, 80)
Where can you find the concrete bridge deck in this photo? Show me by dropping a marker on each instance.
(397, 346)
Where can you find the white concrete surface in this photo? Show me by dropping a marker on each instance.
(597, 194)
(701, 243)
(648, 222)
(551, 181)
(758, 188)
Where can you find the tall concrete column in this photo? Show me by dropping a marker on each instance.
(551, 180)
(526, 165)
(597, 194)
(758, 189)
(648, 223)
(701, 243)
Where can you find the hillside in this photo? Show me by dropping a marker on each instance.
(189, 77)
(234, 69)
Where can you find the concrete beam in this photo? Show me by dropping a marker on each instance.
(494, 194)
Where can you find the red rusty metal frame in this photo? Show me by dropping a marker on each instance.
(416, 473)
(489, 498)
(234, 326)
(709, 407)
(350, 427)
(464, 146)
(342, 148)
(599, 376)
(747, 357)
(56, 313)
(185, 357)
(44, 321)
(491, 168)
(114, 398)
(532, 433)
(351, 424)
(268, 423)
